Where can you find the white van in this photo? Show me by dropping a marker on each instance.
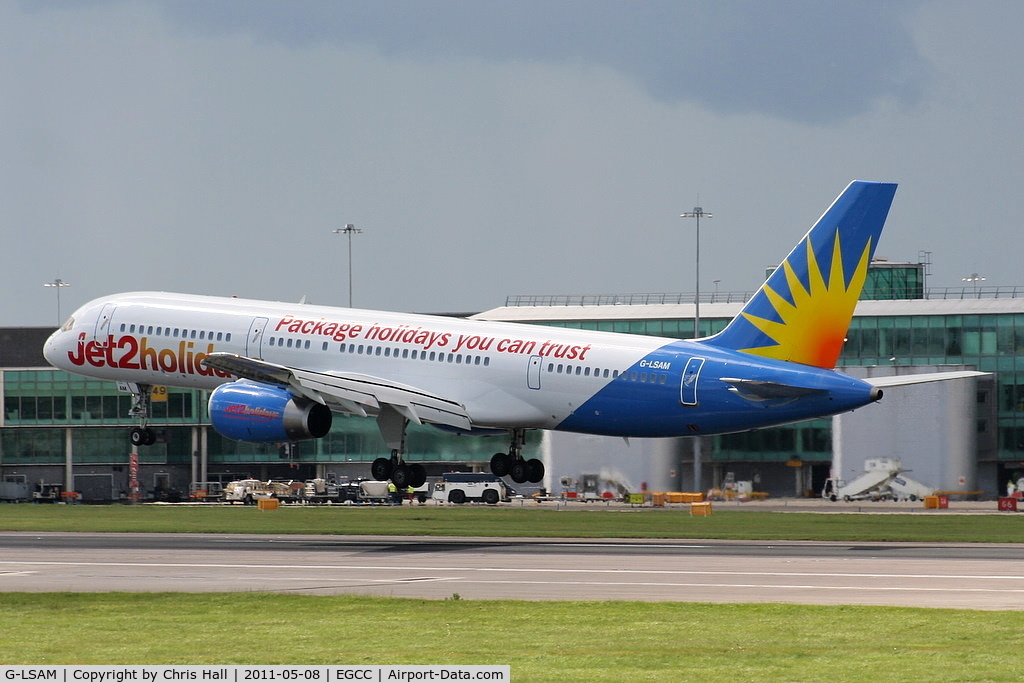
(459, 487)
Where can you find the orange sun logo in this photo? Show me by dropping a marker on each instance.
(814, 325)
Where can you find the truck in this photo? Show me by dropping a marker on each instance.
(459, 487)
(248, 491)
(883, 479)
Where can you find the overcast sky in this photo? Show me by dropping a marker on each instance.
(491, 148)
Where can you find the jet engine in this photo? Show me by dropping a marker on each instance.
(263, 413)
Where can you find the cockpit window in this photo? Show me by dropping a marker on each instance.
(66, 327)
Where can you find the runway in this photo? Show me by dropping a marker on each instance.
(977, 576)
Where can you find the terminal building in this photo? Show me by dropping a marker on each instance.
(961, 435)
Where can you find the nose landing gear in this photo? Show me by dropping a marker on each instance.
(141, 435)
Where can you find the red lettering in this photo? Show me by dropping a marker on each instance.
(77, 357)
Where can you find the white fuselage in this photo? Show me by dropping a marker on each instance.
(505, 374)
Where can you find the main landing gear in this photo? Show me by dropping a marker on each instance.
(141, 435)
(392, 427)
(514, 465)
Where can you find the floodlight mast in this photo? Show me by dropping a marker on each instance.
(57, 284)
(698, 213)
(349, 230)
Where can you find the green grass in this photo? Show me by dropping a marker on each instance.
(933, 526)
(541, 641)
(591, 641)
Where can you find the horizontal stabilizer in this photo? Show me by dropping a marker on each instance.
(760, 390)
(901, 380)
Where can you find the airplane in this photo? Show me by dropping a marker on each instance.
(277, 372)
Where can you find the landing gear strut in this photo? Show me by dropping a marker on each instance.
(392, 427)
(513, 463)
(141, 435)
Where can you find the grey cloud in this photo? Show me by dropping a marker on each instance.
(810, 61)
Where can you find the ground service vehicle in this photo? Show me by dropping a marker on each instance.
(459, 487)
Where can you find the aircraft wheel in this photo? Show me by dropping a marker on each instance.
(490, 496)
(458, 496)
(150, 436)
(380, 469)
(418, 475)
(500, 464)
(401, 477)
(137, 436)
(518, 471)
(534, 470)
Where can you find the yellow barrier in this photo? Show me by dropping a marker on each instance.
(931, 502)
(267, 504)
(658, 500)
(700, 509)
(636, 499)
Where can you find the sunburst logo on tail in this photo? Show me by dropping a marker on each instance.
(815, 318)
(802, 313)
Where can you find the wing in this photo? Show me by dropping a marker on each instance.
(354, 394)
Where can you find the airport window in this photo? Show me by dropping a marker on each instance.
(387, 352)
(305, 344)
(325, 346)
(377, 351)
(289, 343)
(487, 361)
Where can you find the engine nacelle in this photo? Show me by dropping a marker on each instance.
(263, 413)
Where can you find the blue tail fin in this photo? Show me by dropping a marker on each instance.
(803, 311)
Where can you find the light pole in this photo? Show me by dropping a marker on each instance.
(974, 279)
(349, 229)
(58, 284)
(697, 213)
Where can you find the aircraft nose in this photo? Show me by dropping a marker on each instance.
(52, 348)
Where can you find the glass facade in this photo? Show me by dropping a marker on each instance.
(990, 342)
(40, 404)
(47, 411)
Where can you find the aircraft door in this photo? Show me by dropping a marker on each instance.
(254, 342)
(688, 390)
(533, 372)
(103, 323)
